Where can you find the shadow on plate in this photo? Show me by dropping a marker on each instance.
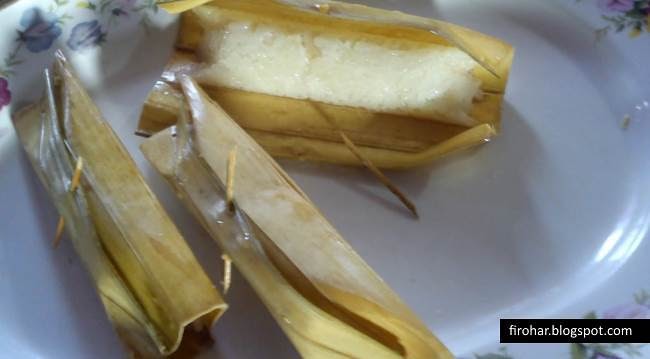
(86, 311)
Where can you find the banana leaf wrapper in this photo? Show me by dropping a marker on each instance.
(150, 283)
(327, 300)
(308, 130)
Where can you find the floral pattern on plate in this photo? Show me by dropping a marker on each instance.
(631, 16)
(38, 30)
(638, 309)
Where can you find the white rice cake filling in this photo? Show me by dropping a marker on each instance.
(431, 82)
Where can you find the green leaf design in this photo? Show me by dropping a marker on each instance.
(607, 352)
(6, 73)
(642, 297)
(13, 62)
(602, 33)
(637, 15)
(578, 351)
(63, 18)
(86, 5)
(104, 4)
(590, 315)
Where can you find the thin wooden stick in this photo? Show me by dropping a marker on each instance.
(74, 183)
(59, 232)
(368, 164)
(227, 272)
(627, 119)
(380, 175)
(230, 178)
(77, 174)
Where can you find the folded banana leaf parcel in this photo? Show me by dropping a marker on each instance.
(327, 300)
(405, 89)
(152, 287)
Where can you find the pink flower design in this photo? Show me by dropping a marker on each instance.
(627, 311)
(5, 94)
(616, 5)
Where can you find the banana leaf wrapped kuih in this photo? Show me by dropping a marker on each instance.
(152, 287)
(327, 300)
(404, 89)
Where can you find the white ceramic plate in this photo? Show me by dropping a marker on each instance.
(548, 220)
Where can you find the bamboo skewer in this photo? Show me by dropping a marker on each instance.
(379, 175)
(371, 166)
(77, 174)
(227, 273)
(230, 183)
(59, 232)
(74, 183)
